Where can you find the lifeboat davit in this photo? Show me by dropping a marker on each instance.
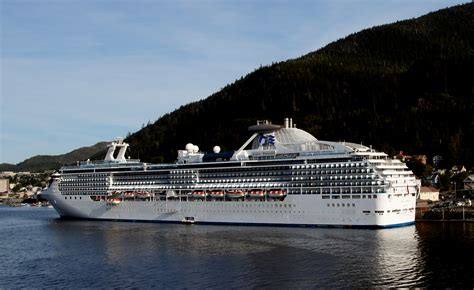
(235, 194)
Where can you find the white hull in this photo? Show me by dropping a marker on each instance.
(308, 210)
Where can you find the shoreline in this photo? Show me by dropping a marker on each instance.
(437, 220)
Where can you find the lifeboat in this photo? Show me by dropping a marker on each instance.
(114, 201)
(142, 194)
(199, 194)
(217, 194)
(129, 195)
(277, 193)
(235, 194)
(256, 193)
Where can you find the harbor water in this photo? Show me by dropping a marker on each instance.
(40, 250)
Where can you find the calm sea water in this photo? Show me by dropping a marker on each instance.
(39, 250)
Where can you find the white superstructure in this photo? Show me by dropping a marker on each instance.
(281, 176)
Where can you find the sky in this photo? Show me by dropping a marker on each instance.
(77, 72)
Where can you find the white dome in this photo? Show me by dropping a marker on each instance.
(195, 149)
(293, 135)
(189, 147)
(216, 149)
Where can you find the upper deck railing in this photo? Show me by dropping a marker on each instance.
(101, 163)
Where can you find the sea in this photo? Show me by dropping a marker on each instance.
(39, 250)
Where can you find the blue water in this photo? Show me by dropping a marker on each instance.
(39, 250)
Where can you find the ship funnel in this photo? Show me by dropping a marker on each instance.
(123, 149)
(287, 123)
(290, 124)
(110, 153)
(121, 154)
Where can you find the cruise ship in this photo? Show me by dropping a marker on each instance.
(281, 176)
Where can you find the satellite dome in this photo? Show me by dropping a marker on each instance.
(216, 149)
(195, 149)
(189, 147)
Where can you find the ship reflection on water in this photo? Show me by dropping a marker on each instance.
(211, 256)
(44, 251)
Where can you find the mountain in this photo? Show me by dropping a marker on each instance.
(405, 86)
(50, 162)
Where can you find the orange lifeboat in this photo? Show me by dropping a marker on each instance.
(129, 195)
(235, 194)
(114, 201)
(217, 194)
(257, 193)
(142, 194)
(199, 194)
(277, 193)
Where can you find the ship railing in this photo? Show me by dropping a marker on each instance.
(101, 162)
(108, 162)
(323, 152)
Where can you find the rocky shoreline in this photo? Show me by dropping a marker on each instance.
(17, 202)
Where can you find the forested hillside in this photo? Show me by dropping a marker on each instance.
(403, 86)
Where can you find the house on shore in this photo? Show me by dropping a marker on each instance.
(469, 182)
(429, 193)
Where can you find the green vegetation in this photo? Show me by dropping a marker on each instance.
(407, 85)
(419, 169)
(35, 180)
(445, 182)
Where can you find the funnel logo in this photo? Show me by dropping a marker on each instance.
(266, 140)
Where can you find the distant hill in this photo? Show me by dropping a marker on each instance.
(402, 86)
(7, 167)
(49, 162)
